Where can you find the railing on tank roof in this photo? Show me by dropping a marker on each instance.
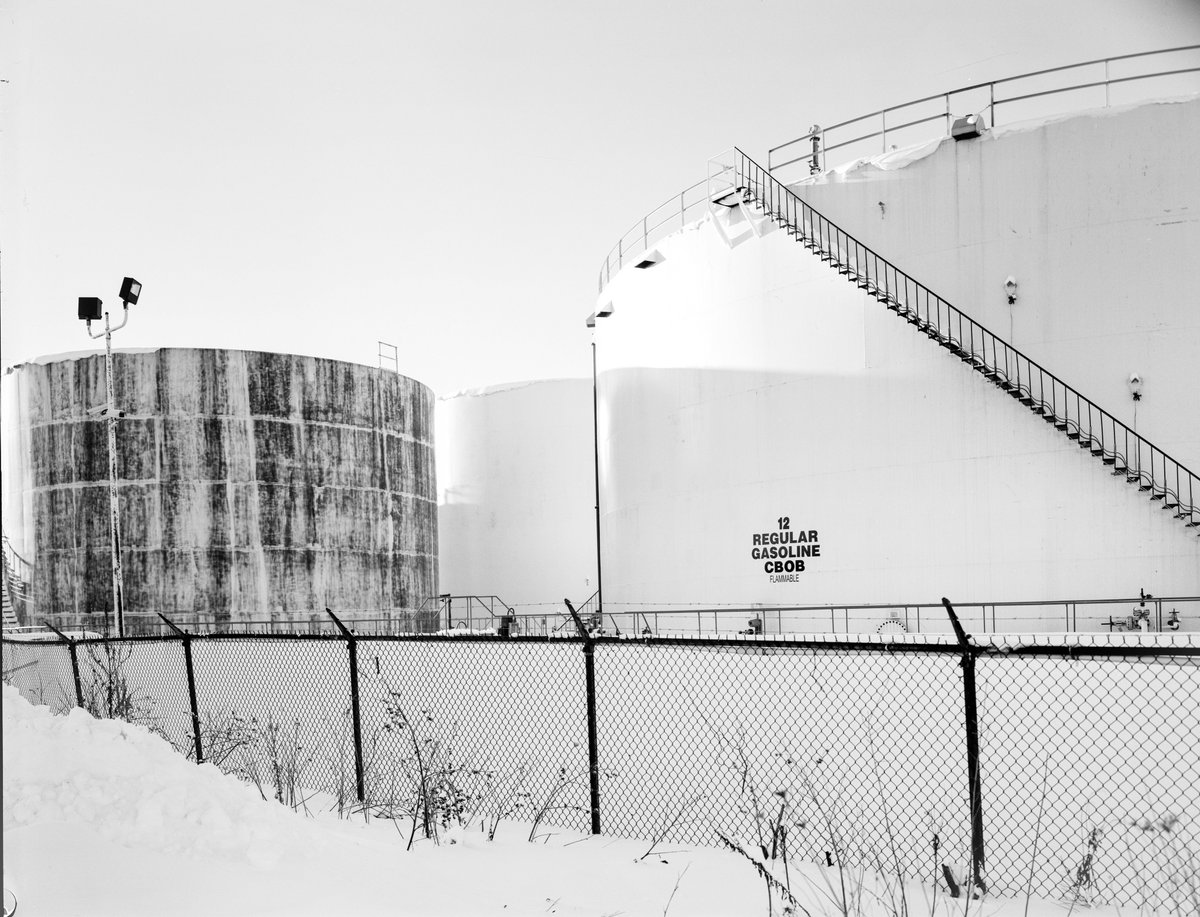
(995, 96)
(691, 203)
(672, 214)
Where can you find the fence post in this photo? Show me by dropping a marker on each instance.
(191, 681)
(352, 644)
(589, 675)
(74, 663)
(971, 716)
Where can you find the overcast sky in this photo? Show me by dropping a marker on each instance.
(314, 177)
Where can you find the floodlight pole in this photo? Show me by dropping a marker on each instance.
(114, 515)
(596, 470)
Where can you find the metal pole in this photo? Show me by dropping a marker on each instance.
(971, 722)
(589, 675)
(191, 680)
(596, 469)
(352, 643)
(118, 579)
(74, 663)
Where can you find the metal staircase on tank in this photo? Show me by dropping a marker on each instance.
(1130, 456)
(15, 591)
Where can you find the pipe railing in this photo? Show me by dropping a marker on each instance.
(882, 128)
(888, 125)
(1165, 614)
(1093, 428)
(18, 580)
(674, 213)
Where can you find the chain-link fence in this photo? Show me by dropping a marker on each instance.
(1033, 765)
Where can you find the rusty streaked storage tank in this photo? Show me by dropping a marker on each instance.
(253, 486)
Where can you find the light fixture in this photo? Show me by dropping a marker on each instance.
(130, 291)
(1010, 290)
(968, 127)
(651, 258)
(90, 309)
(1135, 386)
(730, 198)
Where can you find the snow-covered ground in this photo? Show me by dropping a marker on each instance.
(691, 735)
(102, 817)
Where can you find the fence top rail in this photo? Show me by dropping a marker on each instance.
(1090, 645)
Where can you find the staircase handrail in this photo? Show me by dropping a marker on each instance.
(831, 138)
(1045, 393)
(17, 579)
(21, 564)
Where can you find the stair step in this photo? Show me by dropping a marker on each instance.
(1108, 459)
(1157, 496)
(1074, 434)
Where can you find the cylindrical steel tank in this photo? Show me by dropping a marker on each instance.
(251, 485)
(770, 435)
(516, 476)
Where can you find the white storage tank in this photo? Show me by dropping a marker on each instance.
(516, 513)
(772, 435)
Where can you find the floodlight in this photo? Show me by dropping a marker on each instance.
(967, 128)
(130, 291)
(729, 198)
(1135, 389)
(90, 308)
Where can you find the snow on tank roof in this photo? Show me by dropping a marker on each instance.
(900, 157)
(502, 387)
